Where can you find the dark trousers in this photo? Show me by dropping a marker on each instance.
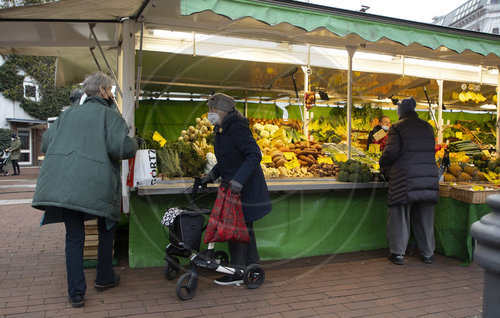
(15, 167)
(75, 239)
(418, 215)
(245, 254)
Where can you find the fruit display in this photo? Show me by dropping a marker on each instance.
(292, 123)
(463, 173)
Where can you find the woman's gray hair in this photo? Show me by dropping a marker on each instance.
(93, 83)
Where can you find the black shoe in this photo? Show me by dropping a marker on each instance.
(76, 302)
(229, 280)
(428, 259)
(101, 287)
(397, 259)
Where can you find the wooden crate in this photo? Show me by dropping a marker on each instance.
(466, 194)
(91, 240)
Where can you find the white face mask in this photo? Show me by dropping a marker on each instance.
(213, 118)
(386, 128)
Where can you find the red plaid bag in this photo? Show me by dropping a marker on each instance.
(226, 221)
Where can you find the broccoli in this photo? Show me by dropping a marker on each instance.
(355, 177)
(354, 167)
(343, 176)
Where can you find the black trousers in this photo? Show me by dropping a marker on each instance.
(15, 166)
(244, 254)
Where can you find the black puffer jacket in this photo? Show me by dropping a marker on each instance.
(409, 160)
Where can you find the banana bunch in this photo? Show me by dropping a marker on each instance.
(471, 97)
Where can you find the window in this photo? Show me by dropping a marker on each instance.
(495, 31)
(31, 91)
(25, 136)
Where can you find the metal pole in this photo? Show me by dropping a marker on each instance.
(91, 26)
(350, 50)
(139, 69)
(440, 113)
(305, 116)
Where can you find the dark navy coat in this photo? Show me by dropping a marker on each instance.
(238, 158)
(409, 160)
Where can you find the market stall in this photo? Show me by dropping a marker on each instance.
(261, 52)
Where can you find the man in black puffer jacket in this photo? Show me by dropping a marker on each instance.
(409, 161)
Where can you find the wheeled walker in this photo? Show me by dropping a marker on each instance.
(186, 225)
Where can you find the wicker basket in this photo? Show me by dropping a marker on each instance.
(466, 194)
(444, 189)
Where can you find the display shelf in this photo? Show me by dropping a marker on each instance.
(183, 185)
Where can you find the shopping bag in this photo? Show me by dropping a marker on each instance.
(130, 175)
(226, 222)
(144, 168)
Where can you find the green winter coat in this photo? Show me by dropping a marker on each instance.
(15, 148)
(81, 169)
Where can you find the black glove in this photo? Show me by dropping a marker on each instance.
(140, 141)
(236, 187)
(207, 179)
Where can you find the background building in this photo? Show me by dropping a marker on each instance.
(474, 15)
(28, 128)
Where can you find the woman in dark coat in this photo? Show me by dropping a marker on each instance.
(409, 161)
(238, 161)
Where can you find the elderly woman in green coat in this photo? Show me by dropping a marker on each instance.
(15, 156)
(80, 179)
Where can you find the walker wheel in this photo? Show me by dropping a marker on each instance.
(221, 257)
(186, 285)
(171, 269)
(6, 172)
(254, 276)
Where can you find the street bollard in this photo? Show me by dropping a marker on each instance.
(487, 253)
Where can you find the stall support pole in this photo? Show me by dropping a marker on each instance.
(350, 50)
(126, 76)
(497, 146)
(440, 113)
(305, 116)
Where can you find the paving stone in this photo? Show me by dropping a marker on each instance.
(360, 284)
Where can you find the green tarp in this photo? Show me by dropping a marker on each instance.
(367, 28)
(300, 225)
(452, 222)
(308, 224)
(169, 118)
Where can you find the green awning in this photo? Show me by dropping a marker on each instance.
(371, 28)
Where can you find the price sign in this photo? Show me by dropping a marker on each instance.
(289, 155)
(266, 159)
(327, 160)
(374, 148)
(458, 134)
(340, 157)
(157, 137)
(487, 153)
(292, 164)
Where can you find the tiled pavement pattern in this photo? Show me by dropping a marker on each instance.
(364, 284)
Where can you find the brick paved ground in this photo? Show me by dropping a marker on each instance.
(364, 284)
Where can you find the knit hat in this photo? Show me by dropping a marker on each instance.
(222, 101)
(406, 105)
